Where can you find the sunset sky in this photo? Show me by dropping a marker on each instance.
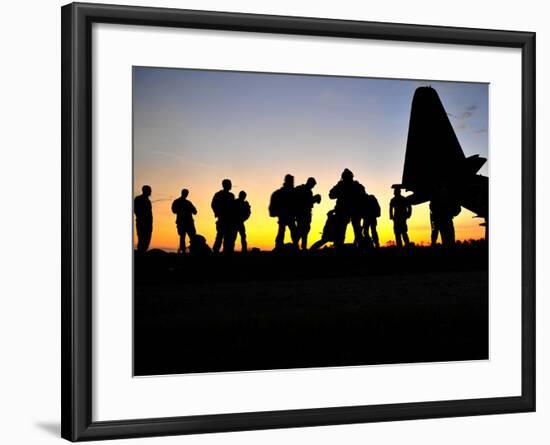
(193, 128)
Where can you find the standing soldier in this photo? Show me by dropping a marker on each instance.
(400, 211)
(372, 212)
(443, 208)
(282, 206)
(144, 219)
(349, 195)
(223, 206)
(184, 210)
(243, 213)
(304, 205)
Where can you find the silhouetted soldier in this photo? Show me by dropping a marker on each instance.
(144, 219)
(372, 212)
(305, 199)
(243, 213)
(349, 195)
(184, 210)
(400, 211)
(282, 205)
(198, 246)
(223, 204)
(443, 208)
(329, 231)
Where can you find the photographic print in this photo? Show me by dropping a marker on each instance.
(295, 221)
(292, 221)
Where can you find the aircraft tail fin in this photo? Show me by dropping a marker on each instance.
(433, 152)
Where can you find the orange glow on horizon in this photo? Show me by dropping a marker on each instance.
(261, 228)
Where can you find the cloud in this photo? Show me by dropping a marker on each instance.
(463, 117)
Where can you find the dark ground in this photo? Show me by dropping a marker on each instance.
(271, 311)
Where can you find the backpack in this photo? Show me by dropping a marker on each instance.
(374, 207)
(275, 203)
(245, 211)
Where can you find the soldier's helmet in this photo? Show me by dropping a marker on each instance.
(226, 184)
(289, 180)
(347, 175)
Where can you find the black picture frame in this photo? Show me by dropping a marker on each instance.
(76, 129)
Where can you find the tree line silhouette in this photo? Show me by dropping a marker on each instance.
(292, 206)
